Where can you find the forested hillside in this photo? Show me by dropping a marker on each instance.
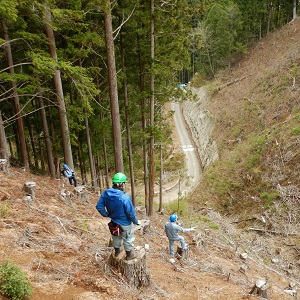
(86, 82)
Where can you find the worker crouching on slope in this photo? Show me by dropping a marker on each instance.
(171, 229)
(70, 174)
(117, 205)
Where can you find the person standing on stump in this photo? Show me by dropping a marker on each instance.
(115, 204)
(171, 230)
(70, 174)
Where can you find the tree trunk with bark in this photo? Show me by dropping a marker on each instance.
(113, 89)
(144, 124)
(20, 126)
(132, 180)
(4, 156)
(135, 270)
(103, 141)
(65, 133)
(91, 158)
(152, 77)
(47, 139)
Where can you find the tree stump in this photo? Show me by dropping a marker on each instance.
(260, 289)
(184, 253)
(81, 193)
(65, 195)
(3, 164)
(29, 189)
(143, 227)
(134, 270)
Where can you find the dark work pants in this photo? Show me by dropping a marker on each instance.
(74, 180)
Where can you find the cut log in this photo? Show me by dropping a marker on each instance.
(29, 189)
(260, 289)
(134, 270)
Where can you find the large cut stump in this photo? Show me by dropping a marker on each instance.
(81, 193)
(260, 289)
(134, 270)
(29, 189)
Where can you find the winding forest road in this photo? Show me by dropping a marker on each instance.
(190, 177)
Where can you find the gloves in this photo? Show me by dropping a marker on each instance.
(139, 222)
(192, 228)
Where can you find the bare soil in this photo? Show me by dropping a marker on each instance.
(63, 248)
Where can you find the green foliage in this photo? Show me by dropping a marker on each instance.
(4, 209)
(296, 130)
(174, 163)
(216, 39)
(269, 198)
(83, 225)
(208, 222)
(8, 10)
(180, 207)
(13, 282)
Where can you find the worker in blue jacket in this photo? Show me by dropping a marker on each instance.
(115, 204)
(70, 174)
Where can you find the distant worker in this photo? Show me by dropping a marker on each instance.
(171, 229)
(182, 85)
(70, 174)
(115, 204)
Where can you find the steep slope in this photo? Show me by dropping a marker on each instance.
(62, 247)
(256, 130)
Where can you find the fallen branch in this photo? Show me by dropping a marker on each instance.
(232, 82)
(272, 232)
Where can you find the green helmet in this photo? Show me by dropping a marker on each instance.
(119, 178)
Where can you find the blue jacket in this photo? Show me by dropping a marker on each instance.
(117, 205)
(68, 172)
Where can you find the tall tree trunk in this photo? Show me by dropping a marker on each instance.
(160, 179)
(3, 142)
(32, 143)
(65, 133)
(294, 9)
(48, 143)
(82, 165)
(152, 158)
(91, 158)
(103, 140)
(21, 132)
(132, 180)
(270, 9)
(113, 89)
(144, 124)
(54, 147)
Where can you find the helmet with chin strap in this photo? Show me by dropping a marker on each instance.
(119, 178)
(65, 166)
(173, 218)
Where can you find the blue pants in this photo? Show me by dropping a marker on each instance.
(127, 237)
(171, 244)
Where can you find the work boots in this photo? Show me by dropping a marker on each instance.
(117, 251)
(130, 255)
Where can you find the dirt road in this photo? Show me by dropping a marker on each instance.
(191, 174)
